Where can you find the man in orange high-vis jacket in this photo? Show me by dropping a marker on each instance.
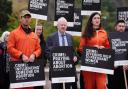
(23, 44)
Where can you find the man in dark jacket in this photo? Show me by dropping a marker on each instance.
(61, 38)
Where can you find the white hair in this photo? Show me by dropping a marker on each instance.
(61, 19)
(4, 35)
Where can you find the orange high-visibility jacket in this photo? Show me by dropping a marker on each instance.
(93, 79)
(100, 38)
(21, 43)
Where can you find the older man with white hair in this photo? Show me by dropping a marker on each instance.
(61, 38)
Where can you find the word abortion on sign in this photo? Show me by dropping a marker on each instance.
(59, 61)
(119, 43)
(90, 6)
(64, 8)
(26, 74)
(98, 60)
(61, 65)
(38, 9)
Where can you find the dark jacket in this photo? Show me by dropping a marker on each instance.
(53, 41)
(2, 61)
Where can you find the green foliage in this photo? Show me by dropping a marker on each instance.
(12, 22)
(76, 41)
(108, 14)
(48, 28)
(5, 11)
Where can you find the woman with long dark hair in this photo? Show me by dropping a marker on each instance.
(39, 33)
(94, 36)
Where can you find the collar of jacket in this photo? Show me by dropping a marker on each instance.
(101, 30)
(26, 30)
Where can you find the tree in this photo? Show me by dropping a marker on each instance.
(5, 11)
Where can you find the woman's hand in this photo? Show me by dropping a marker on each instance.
(99, 47)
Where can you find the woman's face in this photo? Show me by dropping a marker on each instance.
(96, 20)
(38, 31)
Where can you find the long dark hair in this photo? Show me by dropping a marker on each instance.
(88, 32)
(42, 40)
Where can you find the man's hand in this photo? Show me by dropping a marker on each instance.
(32, 58)
(25, 58)
(99, 47)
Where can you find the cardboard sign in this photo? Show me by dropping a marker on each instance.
(38, 9)
(61, 65)
(90, 6)
(64, 8)
(76, 29)
(26, 74)
(119, 43)
(98, 60)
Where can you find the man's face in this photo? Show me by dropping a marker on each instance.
(25, 20)
(120, 27)
(62, 26)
